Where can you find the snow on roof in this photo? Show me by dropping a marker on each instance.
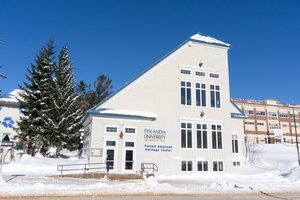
(11, 97)
(207, 39)
(124, 112)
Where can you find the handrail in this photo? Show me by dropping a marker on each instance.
(151, 166)
(84, 166)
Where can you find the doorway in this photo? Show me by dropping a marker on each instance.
(129, 157)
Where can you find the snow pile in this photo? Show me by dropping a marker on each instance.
(38, 165)
(223, 184)
(270, 168)
(275, 158)
(294, 174)
(2, 181)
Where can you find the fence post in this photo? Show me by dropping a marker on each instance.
(142, 168)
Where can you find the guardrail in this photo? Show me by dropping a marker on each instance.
(84, 167)
(148, 167)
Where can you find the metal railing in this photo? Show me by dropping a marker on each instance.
(148, 168)
(84, 167)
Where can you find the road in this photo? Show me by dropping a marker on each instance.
(231, 196)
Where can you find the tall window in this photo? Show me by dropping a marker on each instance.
(235, 144)
(202, 136)
(200, 94)
(186, 93)
(186, 135)
(216, 131)
(215, 99)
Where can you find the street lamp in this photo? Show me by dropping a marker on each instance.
(296, 135)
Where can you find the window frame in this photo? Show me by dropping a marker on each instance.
(202, 163)
(200, 94)
(217, 140)
(185, 71)
(219, 166)
(214, 75)
(186, 166)
(186, 134)
(109, 145)
(201, 133)
(111, 132)
(215, 96)
(186, 94)
(235, 144)
(130, 132)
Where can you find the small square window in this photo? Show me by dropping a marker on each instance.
(110, 143)
(129, 144)
(129, 130)
(111, 129)
(198, 73)
(185, 71)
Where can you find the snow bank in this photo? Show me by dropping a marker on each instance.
(272, 157)
(294, 174)
(269, 168)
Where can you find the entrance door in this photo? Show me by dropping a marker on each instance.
(129, 160)
(129, 157)
(110, 158)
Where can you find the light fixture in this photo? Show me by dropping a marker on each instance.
(200, 64)
(121, 135)
(202, 113)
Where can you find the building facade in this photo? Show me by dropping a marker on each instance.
(177, 115)
(9, 114)
(269, 121)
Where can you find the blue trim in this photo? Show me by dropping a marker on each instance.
(124, 116)
(237, 115)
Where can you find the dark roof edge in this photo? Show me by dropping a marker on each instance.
(124, 116)
(242, 114)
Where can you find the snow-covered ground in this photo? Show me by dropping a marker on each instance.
(270, 168)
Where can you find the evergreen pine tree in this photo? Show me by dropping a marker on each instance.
(90, 98)
(66, 114)
(83, 91)
(35, 102)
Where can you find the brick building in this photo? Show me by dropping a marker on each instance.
(269, 121)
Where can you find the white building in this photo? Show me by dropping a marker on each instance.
(9, 114)
(177, 115)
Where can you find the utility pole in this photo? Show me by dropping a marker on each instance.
(296, 135)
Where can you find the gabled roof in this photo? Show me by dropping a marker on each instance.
(199, 38)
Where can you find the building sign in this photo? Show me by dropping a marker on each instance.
(96, 152)
(157, 148)
(157, 135)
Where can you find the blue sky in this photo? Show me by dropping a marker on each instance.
(123, 38)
